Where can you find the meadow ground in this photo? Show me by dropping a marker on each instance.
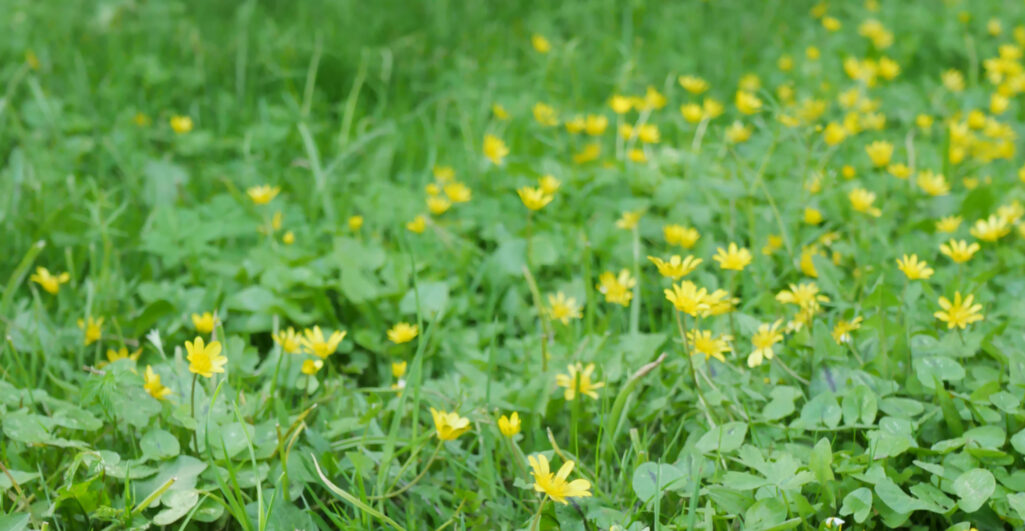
(499, 265)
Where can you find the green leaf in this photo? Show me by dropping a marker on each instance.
(159, 444)
(782, 402)
(433, 298)
(1018, 442)
(21, 477)
(859, 405)
(14, 521)
(858, 503)
(992, 437)
(820, 461)
(178, 503)
(821, 411)
(723, 438)
(938, 368)
(1017, 502)
(656, 478)
(974, 487)
(764, 514)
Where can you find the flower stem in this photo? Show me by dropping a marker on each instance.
(195, 438)
(693, 373)
(535, 525)
(635, 306)
(412, 482)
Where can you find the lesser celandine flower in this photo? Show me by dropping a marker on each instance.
(289, 340)
(311, 367)
(842, 331)
(204, 323)
(861, 201)
(924, 121)
(499, 111)
(693, 84)
(263, 194)
(763, 341)
(205, 360)
(953, 80)
(534, 198)
(418, 225)
(676, 267)
(880, 153)
(899, 170)
(181, 124)
(934, 184)
(122, 354)
(402, 333)
(555, 485)
(685, 237)
(617, 288)
(712, 108)
(495, 149)
(509, 426)
(398, 370)
(545, 115)
(913, 268)
(578, 381)
(458, 192)
(438, 205)
(355, 223)
(549, 184)
(562, 308)
(540, 43)
(589, 153)
(948, 224)
(648, 133)
(712, 346)
(959, 313)
(805, 295)
(812, 216)
(772, 244)
(959, 250)
(315, 343)
(449, 425)
(692, 112)
(834, 133)
(576, 124)
(737, 133)
(747, 102)
(49, 282)
(152, 385)
(991, 229)
(620, 104)
(92, 328)
(688, 298)
(734, 258)
(288, 238)
(831, 23)
(629, 220)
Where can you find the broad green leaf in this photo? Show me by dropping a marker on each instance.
(159, 444)
(723, 438)
(973, 488)
(858, 503)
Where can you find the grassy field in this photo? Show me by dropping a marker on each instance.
(498, 265)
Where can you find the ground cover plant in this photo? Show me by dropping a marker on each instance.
(499, 265)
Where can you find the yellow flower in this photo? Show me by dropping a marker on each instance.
(924, 121)
(648, 133)
(181, 124)
(805, 296)
(763, 341)
(205, 360)
(653, 99)
(617, 289)
(830, 23)
(509, 426)
(888, 68)
(842, 331)
(959, 250)
(693, 84)
(880, 153)
(562, 308)
(311, 367)
(685, 237)
(555, 485)
(738, 133)
(495, 149)
(398, 369)
(834, 133)
(51, 283)
(204, 323)
(807, 261)
(998, 103)
(443, 174)
(315, 343)
(991, 229)
(749, 82)
(438, 205)
(629, 220)
(576, 124)
(140, 119)
(263, 194)
(785, 63)
(449, 425)
(735, 258)
(589, 153)
(692, 112)
(747, 102)
(676, 267)
(540, 43)
(861, 200)
(688, 298)
(994, 27)
(402, 333)
(595, 124)
(703, 342)
(545, 115)
(812, 53)
(960, 313)
(418, 225)
(548, 184)
(534, 198)
(499, 111)
(153, 386)
(772, 244)
(620, 104)
(933, 184)
(712, 108)
(288, 238)
(289, 340)
(847, 171)
(120, 354)
(579, 381)
(914, 268)
(948, 224)
(899, 170)
(355, 223)
(953, 80)
(275, 222)
(812, 216)
(93, 329)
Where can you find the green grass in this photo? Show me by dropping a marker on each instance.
(347, 107)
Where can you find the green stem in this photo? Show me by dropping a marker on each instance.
(195, 439)
(412, 482)
(693, 373)
(635, 306)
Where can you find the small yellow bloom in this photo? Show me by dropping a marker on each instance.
(847, 171)
(805, 296)
(534, 198)
(785, 63)
(834, 133)
(93, 329)
(120, 354)
(812, 216)
(880, 153)
(290, 341)
(311, 367)
(675, 268)
(263, 194)
(402, 333)
(959, 313)
(589, 153)
(924, 121)
(140, 119)
(398, 369)
(842, 331)
(994, 27)
(555, 485)
(734, 258)
(181, 124)
(991, 229)
(914, 268)
(830, 23)
(688, 298)
(49, 282)
(316, 344)
(579, 381)
(620, 104)
(509, 426)
(495, 149)
(861, 200)
(763, 341)
(562, 308)
(449, 425)
(693, 84)
(629, 219)
(648, 133)
(685, 237)
(738, 133)
(596, 124)
(637, 155)
(418, 225)
(617, 289)
(812, 53)
(948, 224)
(712, 108)
(747, 102)
(438, 205)
(953, 80)
(355, 223)
(153, 386)
(549, 184)
(703, 342)
(288, 238)
(692, 112)
(576, 124)
(204, 323)
(959, 250)
(933, 184)
(540, 44)
(545, 115)
(772, 244)
(499, 111)
(899, 170)
(205, 360)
